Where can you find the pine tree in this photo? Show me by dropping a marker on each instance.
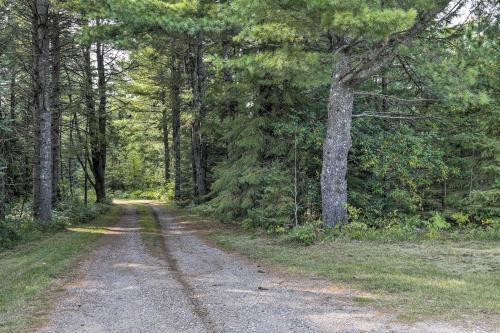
(42, 174)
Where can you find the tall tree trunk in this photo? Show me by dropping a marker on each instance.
(99, 149)
(70, 158)
(3, 164)
(193, 170)
(90, 127)
(166, 147)
(55, 105)
(199, 160)
(3, 187)
(175, 100)
(8, 145)
(336, 147)
(198, 141)
(13, 99)
(42, 171)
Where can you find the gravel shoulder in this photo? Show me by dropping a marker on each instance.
(188, 285)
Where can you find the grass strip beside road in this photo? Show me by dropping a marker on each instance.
(30, 273)
(452, 280)
(417, 280)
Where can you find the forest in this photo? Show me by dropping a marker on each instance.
(249, 166)
(272, 114)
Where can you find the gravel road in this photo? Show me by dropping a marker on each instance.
(188, 285)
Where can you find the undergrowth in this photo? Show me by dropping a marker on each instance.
(20, 228)
(454, 226)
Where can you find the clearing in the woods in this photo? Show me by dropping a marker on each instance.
(154, 270)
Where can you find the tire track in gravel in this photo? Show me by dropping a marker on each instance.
(125, 287)
(165, 277)
(173, 268)
(232, 294)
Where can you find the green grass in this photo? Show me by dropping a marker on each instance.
(31, 272)
(452, 280)
(150, 231)
(146, 220)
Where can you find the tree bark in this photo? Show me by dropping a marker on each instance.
(42, 171)
(90, 127)
(336, 147)
(198, 141)
(3, 187)
(199, 161)
(55, 106)
(176, 122)
(166, 146)
(3, 164)
(100, 146)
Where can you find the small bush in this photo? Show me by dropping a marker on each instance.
(16, 229)
(8, 235)
(460, 218)
(163, 193)
(305, 234)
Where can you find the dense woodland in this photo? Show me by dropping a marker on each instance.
(274, 114)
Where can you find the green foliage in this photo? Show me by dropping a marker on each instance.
(8, 234)
(17, 229)
(436, 224)
(397, 274)
(31, 270)
(460, 219)
(261, 196)
(305, 234)
(396, 167)
(424, 159)
(372, 23)
(164, 193)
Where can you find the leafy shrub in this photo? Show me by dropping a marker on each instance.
(305, 234)
(163, 193)
(436, 224)
(277, 230)
(8, 235)
(247, 224)
(16, 229)
(460, 218)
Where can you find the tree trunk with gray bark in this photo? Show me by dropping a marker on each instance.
(42, 171)
(3, 163)
(100, 146)
(198, 140)
(175, 100)
(55, 105)
(336, 147)
(166, 144)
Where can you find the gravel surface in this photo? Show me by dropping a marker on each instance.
(187, 285)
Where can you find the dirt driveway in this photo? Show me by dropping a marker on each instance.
(187, 285)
